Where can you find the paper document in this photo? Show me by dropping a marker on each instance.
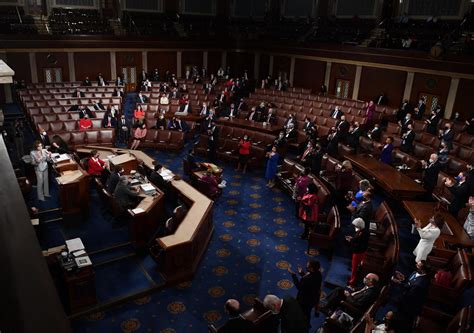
(83, 261)
(61, 158)
(138, 210)
(79, 253)
(74, 244)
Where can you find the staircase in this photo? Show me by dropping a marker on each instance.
(42, 25)
(376, 33)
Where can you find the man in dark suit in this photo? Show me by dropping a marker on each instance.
(364, 210)
(333, 139)
(84, 111)
(156, 179)
(184, 109)
(43, 137)
(124, 196)
(375, 133)
(77, 93)
(123, 128)
(386, 153)
(309, 286)
(430, 173)
(407, 140)
(405, 108)
(405, 122)
(316, 159)
(213, 133)
(292, 318)
(447, 135)
(432, 122)
(98, 106)
(460, 191)
(343, 127)
(236, 323)
(113, 179)
(336, 113)
(118, 92)
(419, 110)
(101, 81)
(86, 82)
(414, 291)
(354, 134)
(361, 298)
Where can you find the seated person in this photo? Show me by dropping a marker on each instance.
(155, 177)
(125, 197)
(161, 122)
(77, 93)
(98, 106)
(164, 99)
(139, 114)
(141, 98)
(109, 120)
(361, 298)
(138, 136)
(84, 111)
(114, 179)
(86, 82)
(85, 123)
(97, 167)
(184, 109)
(58, 145)
(191, 159)
(236, 322)
(213, 186)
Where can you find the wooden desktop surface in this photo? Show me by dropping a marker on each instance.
(452, 233)
(394, 182)
(250, 125)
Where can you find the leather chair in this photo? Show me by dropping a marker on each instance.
(164, 137)
(70, 125)
(261, 317)
(435, 321)
(366, 145)
(150, 138)
(176, 141)
(286, 173)
(107, 137)
(441, 193)
(201, 146)
(455, 166)
(421, 151)
(78, 138)
(392, 129)
(325, 240)
(50, 117)
(381, 263)
(466, 154)
(464, 139)
(92, 137)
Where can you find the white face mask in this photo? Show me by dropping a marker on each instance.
(44, 133)
(430, 160)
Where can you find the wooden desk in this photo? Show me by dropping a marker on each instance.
(397, 184)
(73, 183)
(250, 125)
(452, 233)
(127, 161)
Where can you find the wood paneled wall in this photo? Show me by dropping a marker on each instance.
(344, 72)
(281, 64)
(90, 64)
(239, 62)
(373, 81)
(264, 63)
(309, 74)
(61, 61)
(430, 84)
(463, 102)
(164, 61)
(191, 58)
(20, 63)
(128, 59)
(214, 59)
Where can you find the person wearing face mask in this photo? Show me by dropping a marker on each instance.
(428, 235)
(432, 122)
(309, 209)
(386, 153)
(431, 170)
(279, 142)
(360, 298)
(364, 209)
(114, 179)
(389, 324)
(443, 153)
(40, 158)
(244, 153)
(305, 158)
(413, 291)
(447, 135)
(272, 166)
(161, 122)
(359, 242)
(123, 127)
(405, 122)
(420, 109)
(138, 136)
(375, 133)
(43, 137)
(460, 191)
(407, 140)
(292, 317)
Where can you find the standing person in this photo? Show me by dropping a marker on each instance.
(292, 318)
(301, 186)
(272, 165)
(138, 136)
(386, 153)
(359, 243)
(309, 287)
(369, 113)
(428, 236)
(309, 209)
(213, 133)
(18, 138)
(40, 158)
(244, 153)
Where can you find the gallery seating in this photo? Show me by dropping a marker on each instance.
(435, 321)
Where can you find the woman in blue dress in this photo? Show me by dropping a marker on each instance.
(272, 164)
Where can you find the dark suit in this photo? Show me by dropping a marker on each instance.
(430, 176)
(448, 137)
(112, 182)
(292, 317)
(124, 196)
(333, 142)
(309, 290)
(86, 83)
(421, 110)
(405, 124)
(361, 298)
(123, 128)
(365, 211)
(84, 112)
(77, 94)
(413, 294)
(336, 114)
(157, 180)
(142, 99)
(237, 325)
(386, 154)
(460, 197)
(316, 160)
(353, 138)
(407, 143)
(98, 106)
(376, 134)
(343, 128)
(433, 124)
(44, 139)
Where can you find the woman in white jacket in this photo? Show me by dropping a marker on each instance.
(40, 158)
(428, 236)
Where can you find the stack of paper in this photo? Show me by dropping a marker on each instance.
(166, 174)
(74, 244)
(61, 158)
(148, 189)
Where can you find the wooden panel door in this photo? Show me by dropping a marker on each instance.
(129, 75)
(432, 101)
(342, 88)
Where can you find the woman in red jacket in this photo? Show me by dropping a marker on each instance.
(244, 153)
(97, 167)
(309, 209)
